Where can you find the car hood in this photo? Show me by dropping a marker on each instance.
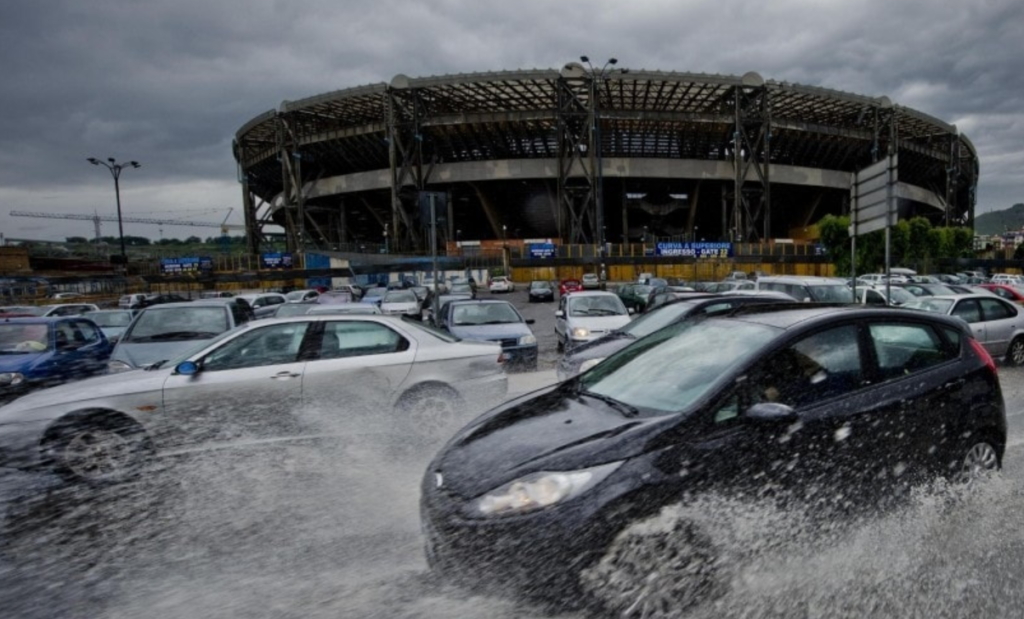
(600, 348)
(600, 323)
(551, 431)
(142, 354)
(52, 402)
(21, 362)
(491, 332)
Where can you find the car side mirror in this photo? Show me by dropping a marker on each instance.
(530, 321)
(771, 412)
(559, 314)
(631, 311)
(187, 368)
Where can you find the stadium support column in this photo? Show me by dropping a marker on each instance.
(751, 150)
(576, 176)
(406, 146)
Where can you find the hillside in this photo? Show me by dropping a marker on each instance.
(995, 222)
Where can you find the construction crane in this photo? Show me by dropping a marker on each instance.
(96, 219)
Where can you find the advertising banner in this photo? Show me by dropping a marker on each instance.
(276, 260)
(542, 250)
(694, 250)
(188, 264)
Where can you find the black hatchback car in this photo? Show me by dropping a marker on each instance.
(533, 492)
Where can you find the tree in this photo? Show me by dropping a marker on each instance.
(913, 242)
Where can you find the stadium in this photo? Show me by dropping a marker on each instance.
(585, 155)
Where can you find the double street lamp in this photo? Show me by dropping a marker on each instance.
(115, 171)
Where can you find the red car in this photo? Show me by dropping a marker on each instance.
(569, 285)
(1006, 291)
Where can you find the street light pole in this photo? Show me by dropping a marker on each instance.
(115, 171)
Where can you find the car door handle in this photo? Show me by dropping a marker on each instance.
(955, 384)
(285, 375)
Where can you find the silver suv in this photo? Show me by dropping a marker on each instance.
(809, 289)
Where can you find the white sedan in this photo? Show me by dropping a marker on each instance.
(270, 379)
(501, 284)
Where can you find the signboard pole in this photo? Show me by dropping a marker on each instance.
(433, 248)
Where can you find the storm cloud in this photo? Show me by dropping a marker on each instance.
(169, 83)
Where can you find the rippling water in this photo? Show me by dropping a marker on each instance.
(314, 530)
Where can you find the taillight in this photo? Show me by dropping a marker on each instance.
(990, 363)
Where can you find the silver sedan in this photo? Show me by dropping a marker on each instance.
(997, 324)
(278, 378)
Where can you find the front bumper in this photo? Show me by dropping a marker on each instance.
(520, 357)
(20, 442)
(541, 552)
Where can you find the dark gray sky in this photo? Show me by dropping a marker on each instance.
(169, 82)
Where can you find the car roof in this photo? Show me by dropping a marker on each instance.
(464, 301)
(789, 315)
(22, 319)
(593, 293)
(196, 303)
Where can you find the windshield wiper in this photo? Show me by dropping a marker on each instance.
(628, 410)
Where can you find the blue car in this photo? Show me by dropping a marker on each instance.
(38, 352)
(493, 321)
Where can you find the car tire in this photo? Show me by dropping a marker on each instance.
(99, 450)
(653, 574)
(978, 459)
(1015, 354)
(430, 412)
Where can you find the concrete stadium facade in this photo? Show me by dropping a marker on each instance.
(585, 155)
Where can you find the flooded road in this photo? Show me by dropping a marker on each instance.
(330, 529)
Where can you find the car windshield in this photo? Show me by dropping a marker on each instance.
(461, 289)
(540, 286)
(484, 314)
(656, 319)
(672, 369)
(296, 295)
(899, 296)
(400, 296)
(604, 305)
(23, 338)
(831, 293)
(423, 327)
(178, 323)
(109, 319)
(375, 292)
(931, 304)
(194, 349)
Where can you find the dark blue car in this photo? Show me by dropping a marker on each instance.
(41, 352)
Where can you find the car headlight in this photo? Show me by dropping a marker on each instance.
(118, 366)
(528, 339)
(11, 378)
(539, 490)
(580, 332)
(589, 363)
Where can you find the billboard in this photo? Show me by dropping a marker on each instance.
(186, 264)
(276, 260)
(542, 250)
(694, 250)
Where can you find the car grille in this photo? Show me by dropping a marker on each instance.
(506, 343)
